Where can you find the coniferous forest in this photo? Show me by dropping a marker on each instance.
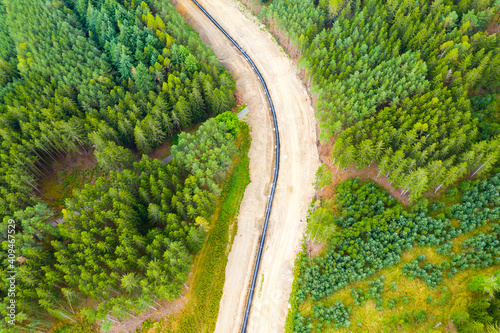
(118, 78)
(79, 73)
(407, 84)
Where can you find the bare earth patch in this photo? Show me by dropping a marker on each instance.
(314, 249)
(64, 174)
(161, 151)
(494, 26)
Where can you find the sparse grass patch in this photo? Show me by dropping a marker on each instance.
(66, 177)
(454, 298)
(240, 108)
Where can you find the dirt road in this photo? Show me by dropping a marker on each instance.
(298, 163)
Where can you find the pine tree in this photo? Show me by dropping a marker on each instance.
(365, 154)
(125, 64)
(182, 112)
(144, 81)
(219, 101)
(197, 106)
(141, 140)
(191, 63)
(322, 178)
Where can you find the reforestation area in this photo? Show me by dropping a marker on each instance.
(432, 266)
(115, 79)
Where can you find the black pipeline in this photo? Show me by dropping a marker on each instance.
(276, 169)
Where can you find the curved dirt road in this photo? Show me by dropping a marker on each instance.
(299, 161)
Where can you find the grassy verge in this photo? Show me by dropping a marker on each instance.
(240, 108)
(203, 298)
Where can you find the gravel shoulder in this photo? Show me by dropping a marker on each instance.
(299, 161)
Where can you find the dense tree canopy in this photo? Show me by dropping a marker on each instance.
(118, 78)
(83, 73)
(127, 239)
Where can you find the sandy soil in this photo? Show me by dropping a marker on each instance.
(299, 161)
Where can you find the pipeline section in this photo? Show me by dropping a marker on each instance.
(276, 169)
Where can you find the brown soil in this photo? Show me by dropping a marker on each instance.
(494, 26)
(161, 151)
(314, 249)
(238, 98)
